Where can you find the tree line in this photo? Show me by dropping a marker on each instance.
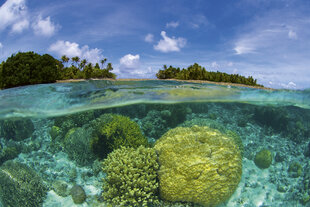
(197, 72)
(25, 68)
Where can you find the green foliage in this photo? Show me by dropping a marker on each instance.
(80, 69)
(26, 68)
(113, 131)
(196, 72)
(263, 159)
(16, 129)
(21, 186)
(131, 177)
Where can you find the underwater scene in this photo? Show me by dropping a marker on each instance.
(153, 143)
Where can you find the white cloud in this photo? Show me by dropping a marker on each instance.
(168, 44)
(271, 34)
(172, 24)
(72, 49)
(12, 12)
(66, 48)
(215, 65)
(1, 45)
(292, 35)
(266, 48)
(44, 27)
(230, 64)
(198, 20)
(149, 38)
(130, 67)
(20, 26)
(130, 61)
(290, 85)
(243, 48)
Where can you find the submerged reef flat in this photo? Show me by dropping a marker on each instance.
(156, 153)
(49, 100)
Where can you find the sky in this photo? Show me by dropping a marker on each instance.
(266, 39)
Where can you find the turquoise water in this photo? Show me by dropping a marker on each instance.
(54, 138)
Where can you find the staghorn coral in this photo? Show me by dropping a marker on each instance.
(131, 177)
(198, 164)
(111, 131)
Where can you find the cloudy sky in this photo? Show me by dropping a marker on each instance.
(267, 39)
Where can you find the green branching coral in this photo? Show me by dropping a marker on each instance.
(131, 177)
(113, 131)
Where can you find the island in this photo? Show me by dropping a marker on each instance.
(27, 68)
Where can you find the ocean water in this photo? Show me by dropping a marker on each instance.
(54, 139)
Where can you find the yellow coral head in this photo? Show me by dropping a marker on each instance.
(198, 164)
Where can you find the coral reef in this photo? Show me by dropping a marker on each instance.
(131, 177)
(16, 129)
(55, 131)
(292, 122)
(176, 112)
(112, 131)
(154, 124)
(263, 159)
(63, 124)
(20, 185)
(8, 153)
(198, 164)
(276, 118)
(60, 187)
(78, 194)
(77, 145)
(237, 140)
(295, 170)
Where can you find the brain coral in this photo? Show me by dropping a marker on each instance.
(131, 177)
(113, 131)
(198, 164)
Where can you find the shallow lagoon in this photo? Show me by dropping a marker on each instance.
(37, 122)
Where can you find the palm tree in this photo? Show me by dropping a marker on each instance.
(75, 59)
(109, 67)
(102, 62)
(82, 64)
(64, 59)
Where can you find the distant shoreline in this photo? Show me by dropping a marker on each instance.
(191, 81)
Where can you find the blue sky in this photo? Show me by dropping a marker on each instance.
(267, 39)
